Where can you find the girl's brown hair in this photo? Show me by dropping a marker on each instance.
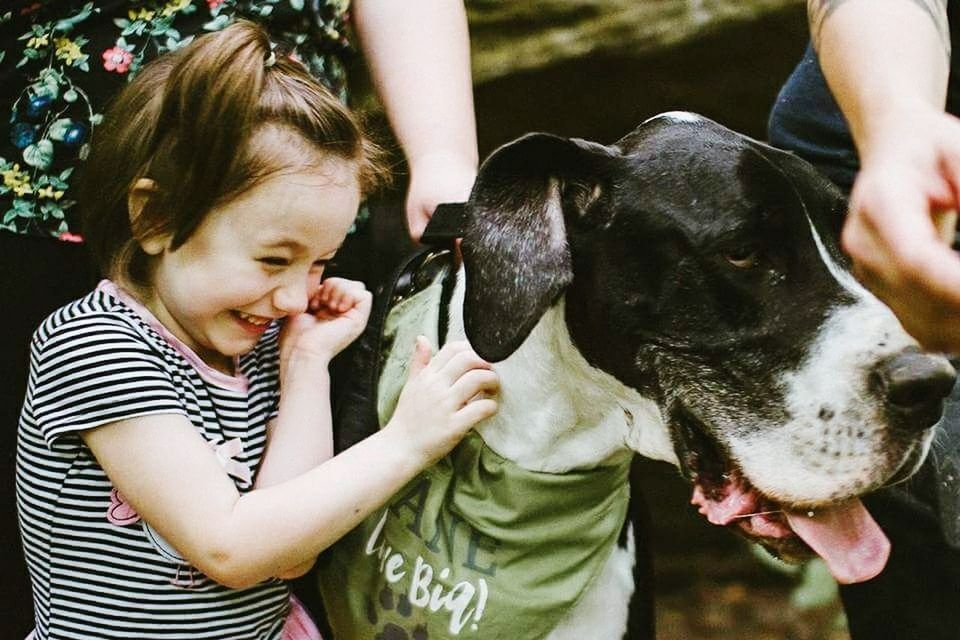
(188, 122)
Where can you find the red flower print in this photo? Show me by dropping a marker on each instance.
(66, 236)
(120, 512)
(117, 59)
(213, 4)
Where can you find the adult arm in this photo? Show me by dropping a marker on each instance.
(887, 64)
(419, 58)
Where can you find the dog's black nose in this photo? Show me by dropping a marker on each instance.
(915, 383)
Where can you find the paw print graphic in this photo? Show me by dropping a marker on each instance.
(394, 632)
(387, 601)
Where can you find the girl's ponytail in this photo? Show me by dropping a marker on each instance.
(209, 110)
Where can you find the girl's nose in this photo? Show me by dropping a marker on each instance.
(291, 298)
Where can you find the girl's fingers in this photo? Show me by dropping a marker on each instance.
(339, 295)
(474, 382)
(474, 412)
(460, 363)
(334, 294)
(449, 351)
(338, 301)
(364, 301)
(326, 290)
(421, 357)
(353, 297)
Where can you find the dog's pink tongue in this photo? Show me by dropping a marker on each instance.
(846, 537)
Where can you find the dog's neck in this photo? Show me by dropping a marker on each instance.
(556, 412)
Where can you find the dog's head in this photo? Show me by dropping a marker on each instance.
(700, 268)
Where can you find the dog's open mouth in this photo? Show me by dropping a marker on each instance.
(844, 534)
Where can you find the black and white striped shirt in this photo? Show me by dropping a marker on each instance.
(98, 571)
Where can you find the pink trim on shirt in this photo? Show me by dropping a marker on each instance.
(236, 382)
(299, 624)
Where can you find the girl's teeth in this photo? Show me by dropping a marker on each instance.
(253, 319)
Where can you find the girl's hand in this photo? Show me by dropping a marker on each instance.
(335, 317)
(445, 396)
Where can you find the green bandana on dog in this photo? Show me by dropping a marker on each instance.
(475, 546)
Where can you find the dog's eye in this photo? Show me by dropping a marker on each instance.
(743, 257)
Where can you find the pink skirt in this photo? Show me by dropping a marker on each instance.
(299, 624)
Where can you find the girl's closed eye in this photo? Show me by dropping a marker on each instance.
(274, 261)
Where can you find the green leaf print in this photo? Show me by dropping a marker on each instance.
(39, 155)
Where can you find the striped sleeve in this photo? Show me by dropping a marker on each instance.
(92, 370)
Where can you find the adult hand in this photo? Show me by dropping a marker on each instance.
(902, 222)
(434, 179)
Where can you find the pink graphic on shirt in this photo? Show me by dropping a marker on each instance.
(227, 453)
(120, 512)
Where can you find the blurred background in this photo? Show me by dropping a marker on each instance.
(596, 69)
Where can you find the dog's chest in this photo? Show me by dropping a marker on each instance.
(476, 546)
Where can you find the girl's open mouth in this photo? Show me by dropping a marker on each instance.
(251, 323)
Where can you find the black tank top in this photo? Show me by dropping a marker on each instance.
(805, 118)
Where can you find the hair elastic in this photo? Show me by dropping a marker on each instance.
(271, 60)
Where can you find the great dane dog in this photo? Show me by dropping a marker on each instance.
(678, 295)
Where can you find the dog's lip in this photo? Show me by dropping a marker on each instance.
(843, 535)
(907, 468)
(736, 503)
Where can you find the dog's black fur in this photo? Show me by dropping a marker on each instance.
(650, 295)
(698, 275)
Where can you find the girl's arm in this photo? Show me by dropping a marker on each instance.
(419, 59)
(887, 64)
(301, 436)
(165, 469)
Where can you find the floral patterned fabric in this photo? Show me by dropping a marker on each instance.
(61, 60)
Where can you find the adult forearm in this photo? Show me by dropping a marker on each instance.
(882, 59)
(418, 53)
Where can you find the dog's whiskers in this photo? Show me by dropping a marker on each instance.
(758, 513)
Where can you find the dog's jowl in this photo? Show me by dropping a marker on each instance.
(680, 295)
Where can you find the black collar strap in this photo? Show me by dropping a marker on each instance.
(446, 225)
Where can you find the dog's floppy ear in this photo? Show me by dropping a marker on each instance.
(515, 250)
(823, 201)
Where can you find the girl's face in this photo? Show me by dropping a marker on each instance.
(255, 259)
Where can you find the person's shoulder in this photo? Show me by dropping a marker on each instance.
(96, 307)
(96, 317)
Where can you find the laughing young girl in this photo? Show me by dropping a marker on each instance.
(174, 454)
